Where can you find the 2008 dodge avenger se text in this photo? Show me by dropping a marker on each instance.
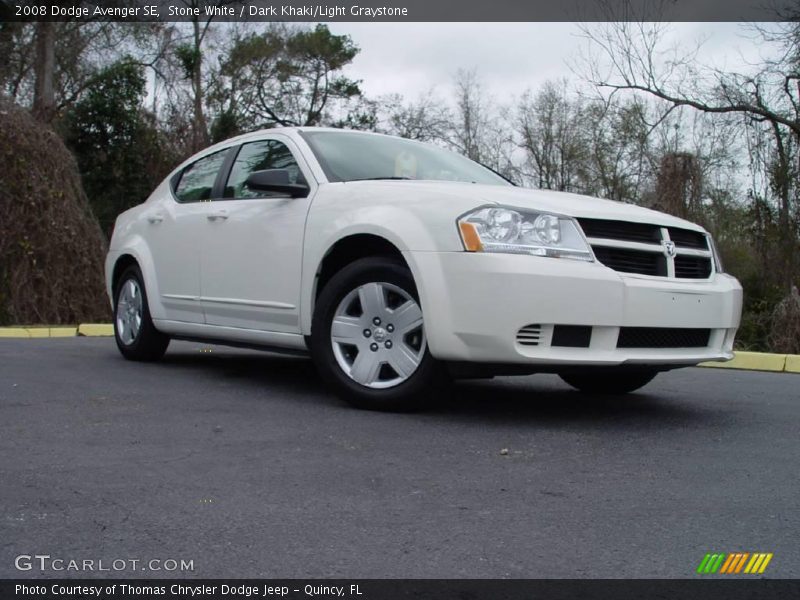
(399, 265)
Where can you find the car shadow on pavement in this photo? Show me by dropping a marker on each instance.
(253, 369)
(538, 398)
(541, 398)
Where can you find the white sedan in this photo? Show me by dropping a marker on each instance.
(398, 265)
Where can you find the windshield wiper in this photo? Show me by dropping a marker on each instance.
(379, 178)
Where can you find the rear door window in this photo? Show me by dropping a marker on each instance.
(197, 180)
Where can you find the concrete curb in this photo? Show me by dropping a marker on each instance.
(760, 361)
(95, 329)
(86, 329)
(792, 363)
(746, 361)
(38, 332)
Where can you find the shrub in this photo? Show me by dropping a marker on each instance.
(785, 333)
(51, 246)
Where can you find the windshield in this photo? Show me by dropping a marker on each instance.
(350, 156)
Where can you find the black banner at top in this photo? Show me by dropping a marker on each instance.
(400, 10)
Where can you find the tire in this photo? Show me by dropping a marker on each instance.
(371, 362)
(136, 336)
(609, 381)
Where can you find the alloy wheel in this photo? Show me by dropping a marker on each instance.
(129, 312)
(377, 335)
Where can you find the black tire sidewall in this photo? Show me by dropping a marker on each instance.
(408, 395)
(150, 344)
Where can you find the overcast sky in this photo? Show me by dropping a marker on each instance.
(410, 58)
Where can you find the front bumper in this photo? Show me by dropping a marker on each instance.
(475, 303)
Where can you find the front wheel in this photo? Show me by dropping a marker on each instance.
(609, 381)
(368, 337)
(136, 336)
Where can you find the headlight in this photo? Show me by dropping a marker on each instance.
(715, 254)
(499, 229)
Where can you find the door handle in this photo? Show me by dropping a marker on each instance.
(221, 214)
(154, 218)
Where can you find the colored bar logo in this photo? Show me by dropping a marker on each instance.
(734, 563)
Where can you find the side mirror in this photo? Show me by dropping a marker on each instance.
(276, 180)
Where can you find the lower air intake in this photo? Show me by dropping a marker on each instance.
(662, 337)
(572, 336)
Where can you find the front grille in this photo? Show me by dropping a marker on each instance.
(662, 337)
(621, 230)
(632, 261)
(685, 238)
(692, 267)
(529, 335)
(647, 249)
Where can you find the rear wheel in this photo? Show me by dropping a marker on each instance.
(609, 381)
(136, 336)
(368, 337)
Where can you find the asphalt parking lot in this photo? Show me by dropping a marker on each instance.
(245, 464)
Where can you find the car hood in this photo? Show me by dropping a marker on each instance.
(467, 196)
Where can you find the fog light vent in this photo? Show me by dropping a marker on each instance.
(529, 335)
(572, 336)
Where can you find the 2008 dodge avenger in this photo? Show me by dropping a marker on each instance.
(398, 265)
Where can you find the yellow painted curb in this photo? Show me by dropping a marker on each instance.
(96, 329)
(14, 332)
(63, 331)
(792, 363)
(752, 361)
(38, 332)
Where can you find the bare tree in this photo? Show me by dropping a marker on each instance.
(191, 55)
(426, 119)
(471, 119)
(48, 66)
(634, 56)
(552, 135)
(477, 128)
(44, 97)
(621, 157)
(17, 42)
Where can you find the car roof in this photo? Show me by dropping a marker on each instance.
(301, 128)
(289, 131)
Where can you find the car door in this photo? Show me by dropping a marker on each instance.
(253, 245)
(174, 234)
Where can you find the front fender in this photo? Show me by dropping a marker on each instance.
(136, 247)
(325, 228)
